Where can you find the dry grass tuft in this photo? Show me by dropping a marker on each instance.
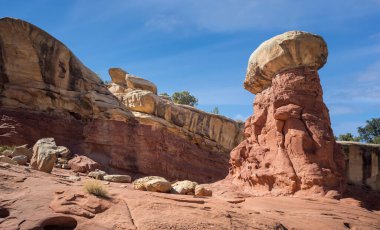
(6, 147)
(95, 188)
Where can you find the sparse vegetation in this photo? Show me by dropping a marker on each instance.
(164, 94)
(7, 147)
(184, 98)
(240, 123)
(348, 137)
(215, 110)
(95, 188)
(370, 133)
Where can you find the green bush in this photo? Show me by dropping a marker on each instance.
(184, 98)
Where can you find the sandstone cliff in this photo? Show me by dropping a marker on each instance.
(363, 163)
(45, 91)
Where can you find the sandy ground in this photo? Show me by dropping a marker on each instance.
(28, 199)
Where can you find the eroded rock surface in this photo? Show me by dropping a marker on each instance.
(363, 163)
(45, 91)
(45, 155)
(290, 147)
(213, 132)
(83, 164)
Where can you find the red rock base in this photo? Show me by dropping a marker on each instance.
(290, 147)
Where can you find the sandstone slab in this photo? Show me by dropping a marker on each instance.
(97, 174)
(118, 178)
(158, 185)
(123, 78)
(139, 184)
(44, 155)
(202, 190)
(83, 164)
(152, 184)
(185, 187)
(22, 151)
(8, 160)
(21, 159)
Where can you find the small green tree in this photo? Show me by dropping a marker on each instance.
(184, 98)
(164, 94)
(348, 137)
(376, 140)
(215, 110)
(371, 131)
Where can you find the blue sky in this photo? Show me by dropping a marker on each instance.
(203, 46)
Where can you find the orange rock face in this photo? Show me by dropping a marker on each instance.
(290, 146)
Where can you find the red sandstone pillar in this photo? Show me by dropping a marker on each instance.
(290, 147)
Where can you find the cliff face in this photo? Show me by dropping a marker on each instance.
(363, 163)
(213, 132)
(45, 91)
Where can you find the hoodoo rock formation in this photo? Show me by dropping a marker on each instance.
(45, 91)
(290, 147)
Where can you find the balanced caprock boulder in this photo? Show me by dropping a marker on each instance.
(290, 146)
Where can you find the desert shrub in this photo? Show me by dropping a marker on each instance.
(215, 110)
(184, 98)
(348, 137)
(95, 188)
(6, 147)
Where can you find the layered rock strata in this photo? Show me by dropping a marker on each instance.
(45, 91)
(211, 131)
(363, 163)
(290, 147)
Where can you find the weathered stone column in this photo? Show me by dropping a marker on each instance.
(290, 147)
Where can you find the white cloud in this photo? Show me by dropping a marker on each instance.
(164, 23)
(375, 36)
(371, 74)
(225, 15)
(341, 110)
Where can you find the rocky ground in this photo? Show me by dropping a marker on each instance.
(31, 199)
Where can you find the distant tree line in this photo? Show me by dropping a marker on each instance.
(370, 133)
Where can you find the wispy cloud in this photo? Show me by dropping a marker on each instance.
(341, 110)
(165, 23)
(345, 127)
(224, 15)
(371, 74)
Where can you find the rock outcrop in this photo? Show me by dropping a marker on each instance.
(45, 91)
(118, 178)
(8, 160)
(83, 164)
(213, 132)
(45, 155)
(184, 187)
(363, 163)
(290, 147)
